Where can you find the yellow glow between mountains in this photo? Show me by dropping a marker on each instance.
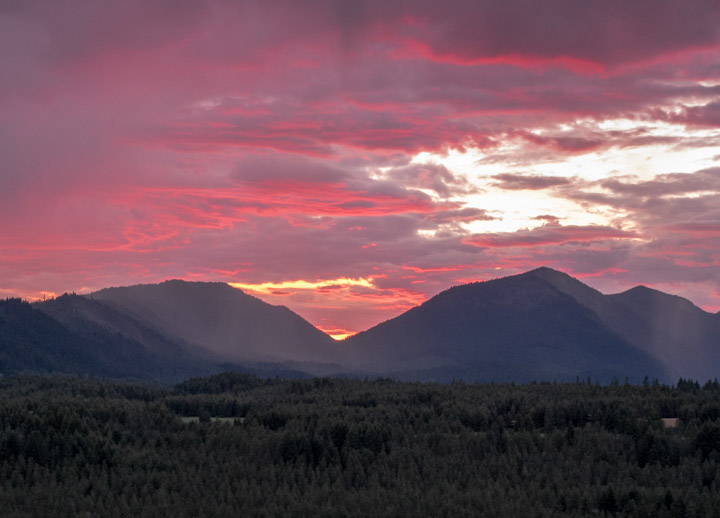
(336, 334)
(30, 296)
(270, 287)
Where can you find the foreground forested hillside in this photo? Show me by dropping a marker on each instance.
(236, 445)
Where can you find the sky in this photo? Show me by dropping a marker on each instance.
(351, 159)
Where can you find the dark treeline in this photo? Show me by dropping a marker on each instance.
(236, 445)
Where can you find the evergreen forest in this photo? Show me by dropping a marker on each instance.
(237, 445)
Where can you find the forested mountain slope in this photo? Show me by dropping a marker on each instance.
(127, 344)
(541, 325)
(674, 330)
(32, 341)
(222, 319)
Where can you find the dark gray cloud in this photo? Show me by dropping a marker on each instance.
(707, 115)
(434, 177)
(666, 184)
(512, 181)
(464, 215)
(549, 235)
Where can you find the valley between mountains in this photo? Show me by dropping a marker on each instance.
(542, 325)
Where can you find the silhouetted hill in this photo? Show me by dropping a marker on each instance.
(232, 325)
(180, 329)
(126, 344)
(681, 335)
(79, 313)
(33, 341)
(541, 325)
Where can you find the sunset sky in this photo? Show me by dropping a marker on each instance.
(351, 159)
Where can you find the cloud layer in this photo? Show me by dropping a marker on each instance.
(350, 159)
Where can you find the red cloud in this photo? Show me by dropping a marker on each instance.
(256, 142)
(223, 207)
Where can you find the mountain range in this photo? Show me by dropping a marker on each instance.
(543, 325)
(540, 325)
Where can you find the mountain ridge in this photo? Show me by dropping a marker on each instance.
(223, 319)
(493, 330)
(607, 319)
(542, 324)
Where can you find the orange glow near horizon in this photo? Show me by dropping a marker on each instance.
(29, 296)
(339, 307)
(337, 334)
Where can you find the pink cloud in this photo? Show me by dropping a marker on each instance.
(254, 142)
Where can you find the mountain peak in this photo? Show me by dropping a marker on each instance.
(545, 269)
(540, 325)
(549, 274)
(642, 289)
(642, 296)
(567, 284)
